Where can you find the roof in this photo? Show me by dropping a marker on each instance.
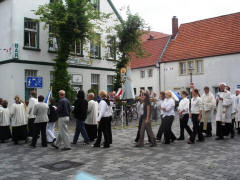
(205, 38)
(154, 49)
(154, 34)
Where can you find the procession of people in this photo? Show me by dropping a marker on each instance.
(21, 122)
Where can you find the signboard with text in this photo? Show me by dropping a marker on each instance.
(34, 82)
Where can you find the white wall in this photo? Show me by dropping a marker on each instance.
(146, 82)
(216, 69)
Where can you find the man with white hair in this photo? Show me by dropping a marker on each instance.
(237, 110)
(224, 110)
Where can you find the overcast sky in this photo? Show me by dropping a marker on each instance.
(158, 13)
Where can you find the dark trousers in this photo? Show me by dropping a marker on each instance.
(19, 133)
(167, 122)
(91, 131)
(80, 128)
(196, 129)
(139, 129)
(103, 128)
(184, 125)
(31, 127)
(109, 127)
(219, 129)
(209, 129)
(160, 130)
(233, 128)
(40, 127)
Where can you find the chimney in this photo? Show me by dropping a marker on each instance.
(174, 26)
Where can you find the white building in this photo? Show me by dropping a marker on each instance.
(25, 51)
(211, 47)
(145, 70)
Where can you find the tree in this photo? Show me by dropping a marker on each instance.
(70, 20)
(129, 34)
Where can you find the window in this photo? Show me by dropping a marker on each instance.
(52, 41)
(31, 31)
(135, 91)
(150, 89)
(96, 4)
(150, 73)
(95, 80)
(77, 48)
(142, 74)
(29, 73)
(199, 66)
(111, 50)
(95, 47)
(77, 82)
(190, 66)
(182, 66)
(110, 81)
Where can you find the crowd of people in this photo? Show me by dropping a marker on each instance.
(93, 118)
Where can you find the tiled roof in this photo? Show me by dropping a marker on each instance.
(155, 35)
(205, 38)
(153, 49)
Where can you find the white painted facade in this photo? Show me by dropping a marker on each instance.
(146, 82)
(12, 71)
(216, 69)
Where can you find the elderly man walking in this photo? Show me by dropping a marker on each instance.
(63, 110)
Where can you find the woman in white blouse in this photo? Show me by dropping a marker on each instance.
(168, 114)
(19, 121)
(103, 119)
(5, 132)
(183, 112)
(196, 115)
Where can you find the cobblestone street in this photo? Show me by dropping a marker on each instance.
(212, 160)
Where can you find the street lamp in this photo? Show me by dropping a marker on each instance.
(190, 69)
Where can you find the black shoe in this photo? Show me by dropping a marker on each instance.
(173, 139)
(208, 135)
(33, 146)
(53, 145)
(86, 142)
(232, 136)
(180, 139)
(16, 142)
(166, 142)
(153, 145)
(73, 143)
(200, 140)
(44, 145)
(66, 149)
(138, 145)
(106, 146)
(2, 141)
(96, 145)
(191, 142)
(219, 138)
(26, 140)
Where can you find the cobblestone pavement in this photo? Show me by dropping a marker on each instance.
(209, 160)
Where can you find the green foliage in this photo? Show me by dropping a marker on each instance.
(69, 21)
(129, 34)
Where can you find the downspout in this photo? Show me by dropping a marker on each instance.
(159, 61)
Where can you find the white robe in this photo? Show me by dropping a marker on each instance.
(18, 115)
(208, 104)
(4, 117)
(92, 113)
(237, 108)
(224, 107)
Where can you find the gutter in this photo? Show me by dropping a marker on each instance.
(115, 11)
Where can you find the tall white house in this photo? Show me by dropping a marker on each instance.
(26, 50)
(210, 47)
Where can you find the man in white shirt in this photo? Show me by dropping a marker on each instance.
(237, 109)
(92, 114)
(208, 103)
(31, 117)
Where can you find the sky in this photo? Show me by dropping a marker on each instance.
(158, 13)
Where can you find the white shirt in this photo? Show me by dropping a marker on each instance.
(224, 108)
(32, 102)
(159, 102)
(4, 116)
(169, 105)
(140, 109)
(196, 105)
(103, 110)
(17, 112)
(184, 105)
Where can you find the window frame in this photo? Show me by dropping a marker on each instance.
(97, 83)
(142, 74)
(75, 53)
(97, 45)
(37, 39)
(180, 70)
(111, 42)
(150, 74)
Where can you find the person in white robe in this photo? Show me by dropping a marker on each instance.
(237, 110)
(91, 120)
(208, 104)
(224, 110)
(5, 132)
(18, 120)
